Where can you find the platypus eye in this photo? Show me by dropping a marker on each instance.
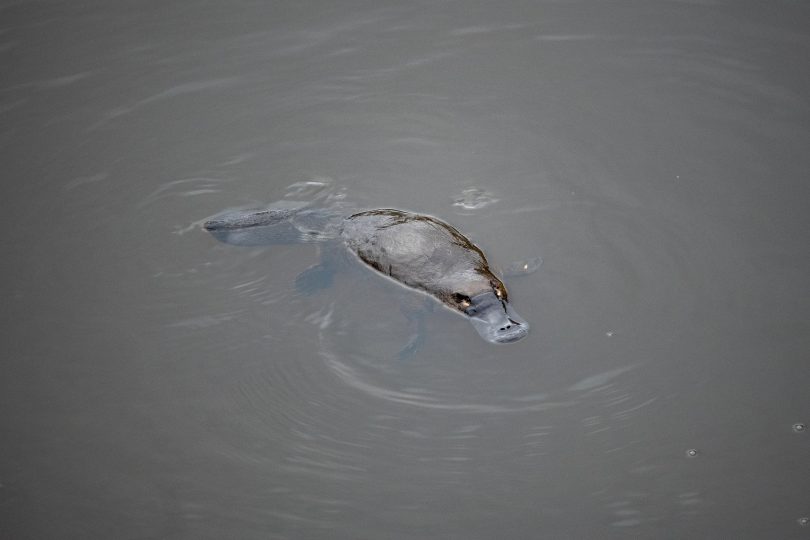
(498, 289)
(462, 300)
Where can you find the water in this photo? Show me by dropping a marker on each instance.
(158, 384)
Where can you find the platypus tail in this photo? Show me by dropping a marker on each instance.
(244, 218)
(283, 222)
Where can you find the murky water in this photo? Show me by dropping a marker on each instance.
(159, 384)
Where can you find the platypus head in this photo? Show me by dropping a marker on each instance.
(491, 314)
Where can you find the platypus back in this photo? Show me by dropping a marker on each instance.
(428, 254)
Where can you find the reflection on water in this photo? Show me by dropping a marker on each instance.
(474, 199)
(637, 172)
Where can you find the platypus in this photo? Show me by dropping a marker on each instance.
(416, 250)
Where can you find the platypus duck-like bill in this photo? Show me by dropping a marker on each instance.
(495, 320)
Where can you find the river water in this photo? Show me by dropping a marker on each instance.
(159, 384)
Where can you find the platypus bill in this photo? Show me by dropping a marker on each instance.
(416, 250)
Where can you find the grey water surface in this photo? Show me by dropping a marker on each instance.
(159, 384)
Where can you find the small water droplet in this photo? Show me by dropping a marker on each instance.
(804, 521)
(692, 452)
(799, 427)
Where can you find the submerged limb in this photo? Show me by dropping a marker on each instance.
(416, 320)
(320, 276)
(315, 278)
(416, 340)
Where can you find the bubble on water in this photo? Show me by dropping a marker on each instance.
(692, 452)
(799, 427)
(804, 521)
(474, 198)
(523, 267)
